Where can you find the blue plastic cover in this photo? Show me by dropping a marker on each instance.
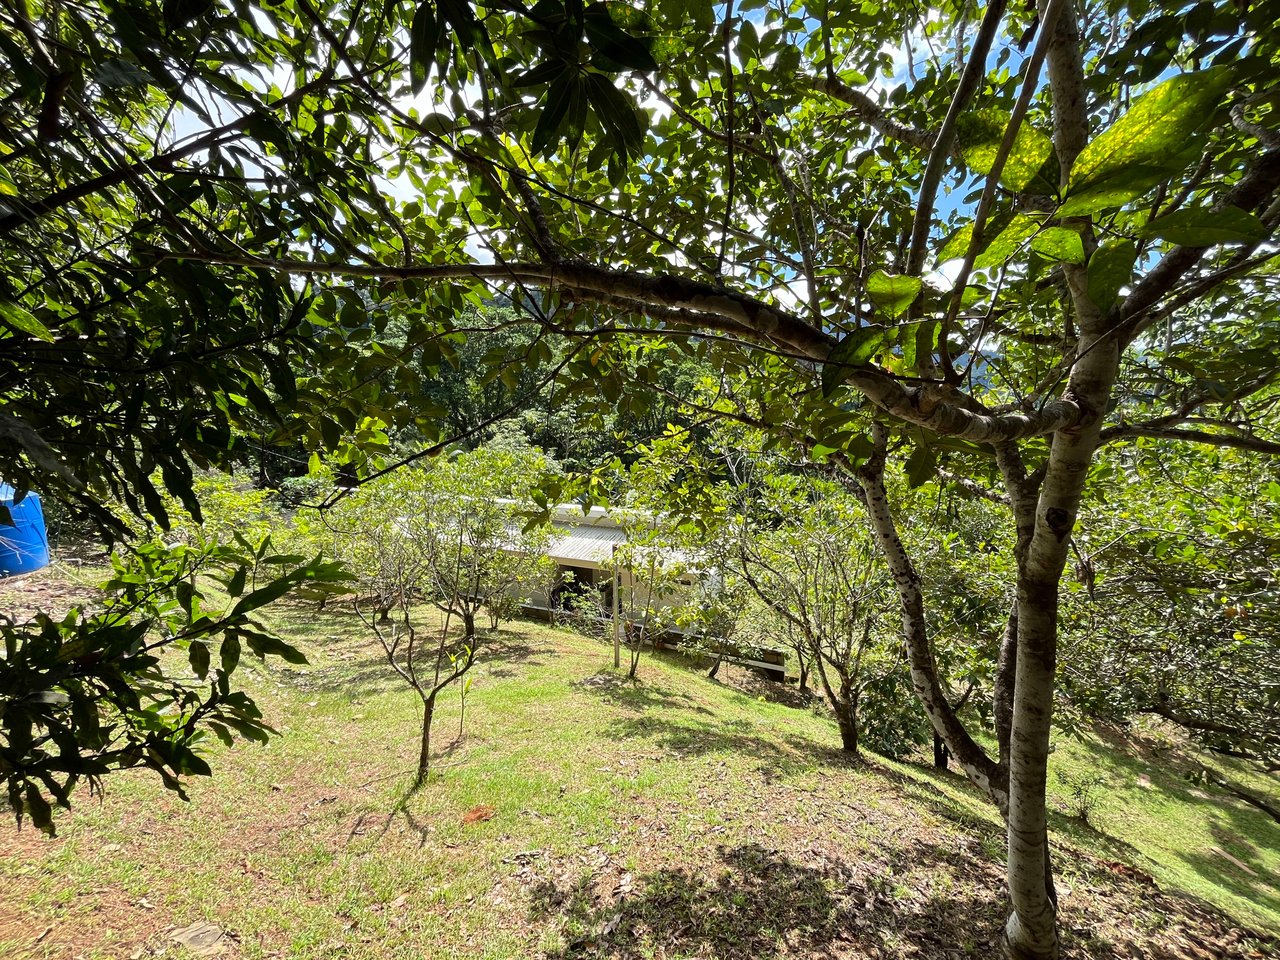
(25, 545)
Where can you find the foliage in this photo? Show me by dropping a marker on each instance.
(1174, 601)
(218, 213)
(805, 553)
(110, 694)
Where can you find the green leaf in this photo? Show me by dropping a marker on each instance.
(264, 645)
(912, 336)
(1031, 163)
(230, 653)
(1006, 243)
(616, 114)
(547, 134)
(1202, 227)
(1109, 269)
(542, 73)
(17, 318)
(893, 294)
(424, 40)
(178, 13)
(921, 465)
(1061, 244)
(120, 74)
(1146, 145)
(262, 596)
(614, 45)
(198, 653)
(235, 586)
(855, 350)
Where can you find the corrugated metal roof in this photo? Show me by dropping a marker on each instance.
(577, 542)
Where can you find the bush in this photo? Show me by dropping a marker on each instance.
(1084, 794)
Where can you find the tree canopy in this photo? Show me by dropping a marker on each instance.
(984, 241)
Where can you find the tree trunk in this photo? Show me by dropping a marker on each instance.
(1002, 696)
(804, 676)
(468, 624)
(989, 776)
(1032, 930)
(846, 712)
(424, 750)
(940, 752)
(715, 667)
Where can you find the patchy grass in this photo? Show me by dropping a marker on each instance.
(579, 815)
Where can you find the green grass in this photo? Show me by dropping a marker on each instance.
(676, 817)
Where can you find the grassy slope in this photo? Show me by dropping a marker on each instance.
(675, 818)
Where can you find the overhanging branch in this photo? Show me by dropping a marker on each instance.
(700, 305)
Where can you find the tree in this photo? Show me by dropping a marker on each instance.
(447, 536)
(773, 205)
(816, 569)
(1171, 610)
(652, 570)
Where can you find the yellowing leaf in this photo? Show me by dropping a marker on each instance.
(1020, 229)
(1031, 163)
(1059, 243)
(1146, 145)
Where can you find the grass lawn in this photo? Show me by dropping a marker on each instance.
(581, 816)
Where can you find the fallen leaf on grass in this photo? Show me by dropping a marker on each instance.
(478, 814)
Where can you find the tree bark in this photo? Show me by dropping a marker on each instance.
(1002, 696)
(1032, 932)
(846, 712)
(941, 755)
(978, 767)
(715, 667)
(468, 624)
(424, 749)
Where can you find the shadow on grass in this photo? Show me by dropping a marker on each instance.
(509, 649)
(1240, 831)
(922, 899)
(754, 902)
(638, 696)
(1234, 862)
(777, 758)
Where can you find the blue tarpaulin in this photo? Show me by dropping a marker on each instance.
(24, 546)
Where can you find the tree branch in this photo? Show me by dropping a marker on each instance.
(1254, 189)
(1238, 441)
(873, 114)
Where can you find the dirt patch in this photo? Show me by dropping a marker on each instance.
(53, 590)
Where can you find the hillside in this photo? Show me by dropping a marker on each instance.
(582, 816)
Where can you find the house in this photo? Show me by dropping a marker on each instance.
(598, 570)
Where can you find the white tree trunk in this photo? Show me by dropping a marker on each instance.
(1032, 930)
